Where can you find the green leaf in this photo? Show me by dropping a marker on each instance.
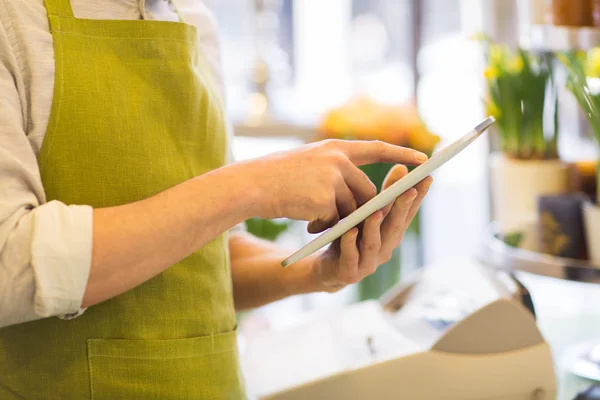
(578, 85)
(266, 229)
(513, 239)
(520, 96)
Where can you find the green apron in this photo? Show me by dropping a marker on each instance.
(135, 112)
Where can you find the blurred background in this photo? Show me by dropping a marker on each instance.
(417, 73)
(421, 73)
(302, 59)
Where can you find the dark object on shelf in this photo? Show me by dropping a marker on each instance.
(560, 226)
(582, 174)
(571, 12)
(591, 393)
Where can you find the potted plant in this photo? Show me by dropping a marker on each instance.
(583, 81)
(362, 118)
(527, 164)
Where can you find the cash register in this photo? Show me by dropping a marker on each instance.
(463, 332)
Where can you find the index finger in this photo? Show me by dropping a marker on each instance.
(375, 151)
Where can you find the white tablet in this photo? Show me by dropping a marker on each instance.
(391, 193)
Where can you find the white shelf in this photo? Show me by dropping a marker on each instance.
(560, 38)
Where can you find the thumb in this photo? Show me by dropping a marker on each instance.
(396, 173)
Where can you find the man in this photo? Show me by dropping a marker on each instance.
(117, 196)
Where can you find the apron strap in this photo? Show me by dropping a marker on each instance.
(174, 6)
(61, 8)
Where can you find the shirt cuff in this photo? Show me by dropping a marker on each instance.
(61, 258)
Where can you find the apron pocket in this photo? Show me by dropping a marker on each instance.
(197, 368)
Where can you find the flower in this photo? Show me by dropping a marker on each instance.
(497, 55)
(422, 140)
(490, 73)
(516, 84)
(362, 118)
(492, 109)
(592, 65)
(515, 65)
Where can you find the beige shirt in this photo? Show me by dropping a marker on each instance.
(46, 247)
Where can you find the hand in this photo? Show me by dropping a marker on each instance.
(360, 251)
(320, 182)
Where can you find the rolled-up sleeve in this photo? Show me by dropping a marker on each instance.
(45, 247)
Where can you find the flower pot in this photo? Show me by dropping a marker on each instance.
(591, 219)
(583, 178)
(517, 184)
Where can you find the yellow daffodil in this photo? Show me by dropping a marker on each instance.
(592, 65)
(421, 139)
(492, 110)
(497, 55)
(515, 65)
(490, 73)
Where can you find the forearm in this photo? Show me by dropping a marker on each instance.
(259, 278)
(132, 243)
